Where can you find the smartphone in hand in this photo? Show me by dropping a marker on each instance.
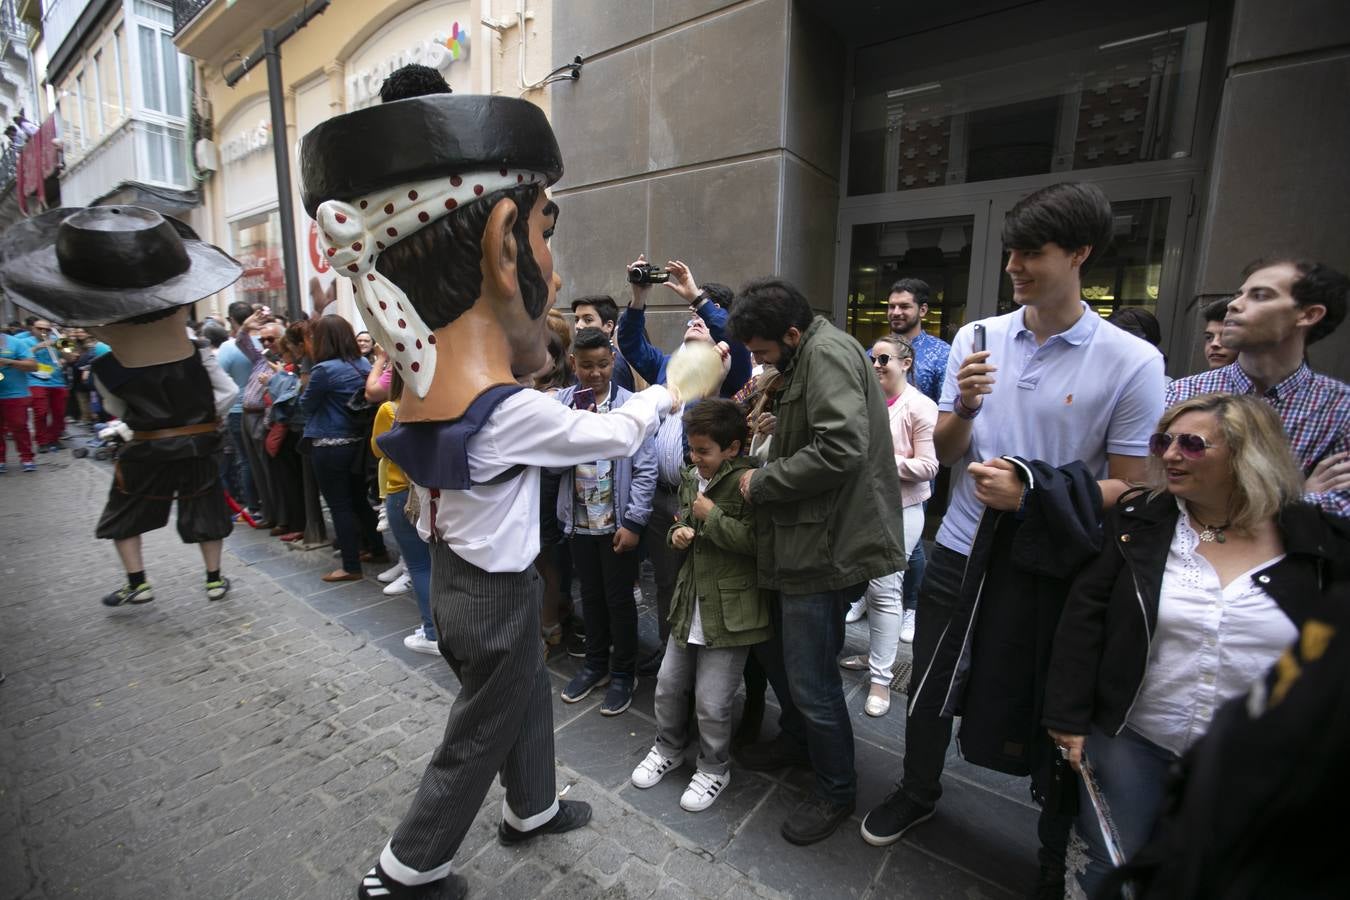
(979, 339)
(584, 398)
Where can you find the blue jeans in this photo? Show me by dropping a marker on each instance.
(1131, 772)
(416, 556)
(918, 561)
(802, 663)
(343, 487)
(238, 476)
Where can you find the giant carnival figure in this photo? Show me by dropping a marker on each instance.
(130, 275)
(434, 205)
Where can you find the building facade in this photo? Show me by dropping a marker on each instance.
(124, 98)
(334, 64)
(846, 145)
(21, 94)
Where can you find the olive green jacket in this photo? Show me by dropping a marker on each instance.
(827, 499)
(719, 570)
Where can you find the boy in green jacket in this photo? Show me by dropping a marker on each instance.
(717, 612)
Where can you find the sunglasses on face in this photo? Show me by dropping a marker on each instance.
(1192, 446)
(884, 359)
(267, 341)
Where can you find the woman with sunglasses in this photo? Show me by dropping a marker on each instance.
(1204, 578)
(912, 418)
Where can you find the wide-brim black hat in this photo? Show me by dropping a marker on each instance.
(105, 264)
(419, 138)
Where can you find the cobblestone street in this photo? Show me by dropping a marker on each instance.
(265, 746)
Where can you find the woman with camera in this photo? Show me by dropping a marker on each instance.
(1202, 581)
(335, 432)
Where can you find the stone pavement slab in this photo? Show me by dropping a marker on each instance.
(265, 745)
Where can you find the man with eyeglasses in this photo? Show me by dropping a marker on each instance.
(254, 428)
(239, 367)
(707, 322)
(1053, 384)
(1284, 305)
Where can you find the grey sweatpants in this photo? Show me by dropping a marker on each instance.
(501, 722)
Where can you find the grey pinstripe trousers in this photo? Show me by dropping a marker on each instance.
(502, 720)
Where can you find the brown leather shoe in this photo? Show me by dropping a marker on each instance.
(343, 575)
(278, 530)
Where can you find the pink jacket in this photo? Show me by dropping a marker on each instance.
(913, 417)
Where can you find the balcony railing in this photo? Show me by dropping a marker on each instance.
(184, 11)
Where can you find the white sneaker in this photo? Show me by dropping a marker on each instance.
(856, 611)
(418, 641)
(652, 769)
(907, 624)
(400, 585)
(703, 790)
(382, 525)
(395, 571)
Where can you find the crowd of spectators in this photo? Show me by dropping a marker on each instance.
(1120, 554)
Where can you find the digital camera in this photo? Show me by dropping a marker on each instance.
(646, 273)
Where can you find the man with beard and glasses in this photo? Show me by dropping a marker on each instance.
(435, 206)
(827, 519)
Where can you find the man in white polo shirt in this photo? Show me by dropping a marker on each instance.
(1055, 383)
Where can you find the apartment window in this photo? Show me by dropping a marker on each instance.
(119, 57)
(164, 150)
(161, 71)
(79, 108)
(98, 91)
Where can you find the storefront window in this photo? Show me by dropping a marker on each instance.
(257, 245)
(1123, 96)
(935, 250)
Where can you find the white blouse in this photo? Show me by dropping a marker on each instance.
(1209, 645)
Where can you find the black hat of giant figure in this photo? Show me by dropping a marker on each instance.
(419, 138)
(105, 264)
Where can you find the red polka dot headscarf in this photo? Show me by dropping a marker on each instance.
(352, 234)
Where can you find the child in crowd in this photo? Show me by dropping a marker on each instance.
(416, 556)
(603, 508)
(717, 612)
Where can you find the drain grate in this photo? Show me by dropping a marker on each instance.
(900, 682)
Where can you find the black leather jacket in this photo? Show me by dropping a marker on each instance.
(1101, 648)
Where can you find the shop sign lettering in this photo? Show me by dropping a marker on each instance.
(438, 52)
(251, 141)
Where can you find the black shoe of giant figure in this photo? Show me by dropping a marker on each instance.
(814, 819)
(769, 756)
(571, 814)
(379, 886)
